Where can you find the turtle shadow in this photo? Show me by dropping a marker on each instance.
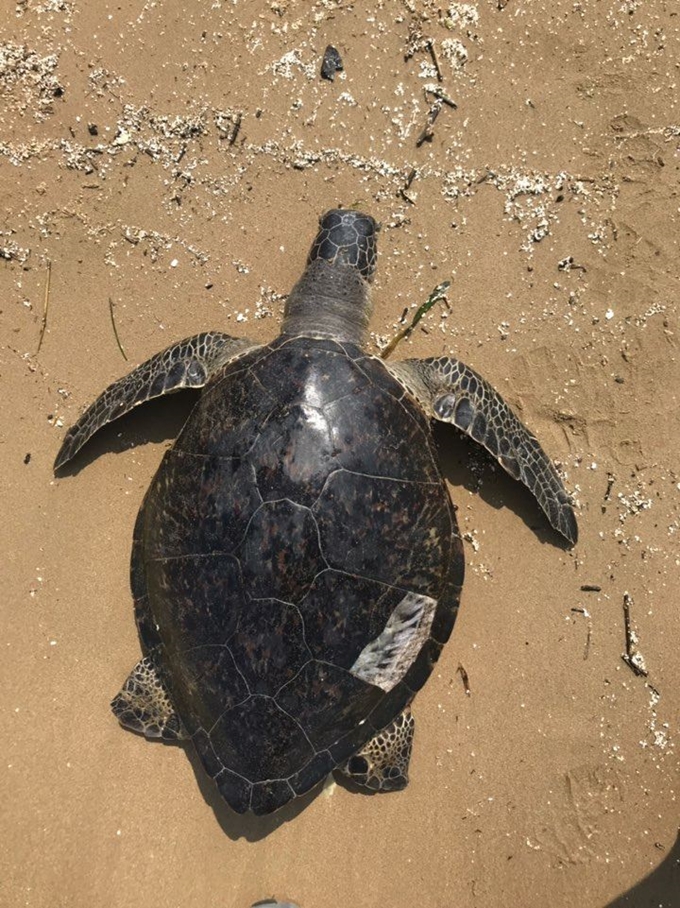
(247, 825)
(236, 825)
(465, 463)
(660, 887)
(154, 421)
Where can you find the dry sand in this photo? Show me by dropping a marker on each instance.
(550, 198)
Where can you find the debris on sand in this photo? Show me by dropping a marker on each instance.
(28, 80)
(632, 656)
(331, 64)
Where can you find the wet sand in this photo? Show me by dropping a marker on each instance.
(175, 162)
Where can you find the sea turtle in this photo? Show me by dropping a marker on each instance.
(296, 563)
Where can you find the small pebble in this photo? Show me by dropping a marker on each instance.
(332, 63)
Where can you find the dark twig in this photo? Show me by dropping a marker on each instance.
(433, 54)
(439, 93)
(403, 192)
(589, 633)
(428, 131)
(569, 264)
(590, 588)
(46, 305)
(610, 483)
(464, 676)
(115, 330)
(632, 657)
(237, 128)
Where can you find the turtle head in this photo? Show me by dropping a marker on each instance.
(349, 239)
(376, 772)
(332, 297)
(382, 763)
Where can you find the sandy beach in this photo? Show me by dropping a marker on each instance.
(163, 166)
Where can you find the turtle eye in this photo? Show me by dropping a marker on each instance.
(357, 766)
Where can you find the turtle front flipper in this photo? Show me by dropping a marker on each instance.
(186, 364)
(144, 704)
(452, 392)
(382, 763)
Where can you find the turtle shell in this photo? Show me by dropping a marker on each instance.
(300, 505)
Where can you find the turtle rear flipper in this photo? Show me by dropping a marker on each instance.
(452, 392)
(186, 364)
(143, 705)
(382, 763)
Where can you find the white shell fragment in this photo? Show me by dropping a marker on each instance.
(385, 660)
